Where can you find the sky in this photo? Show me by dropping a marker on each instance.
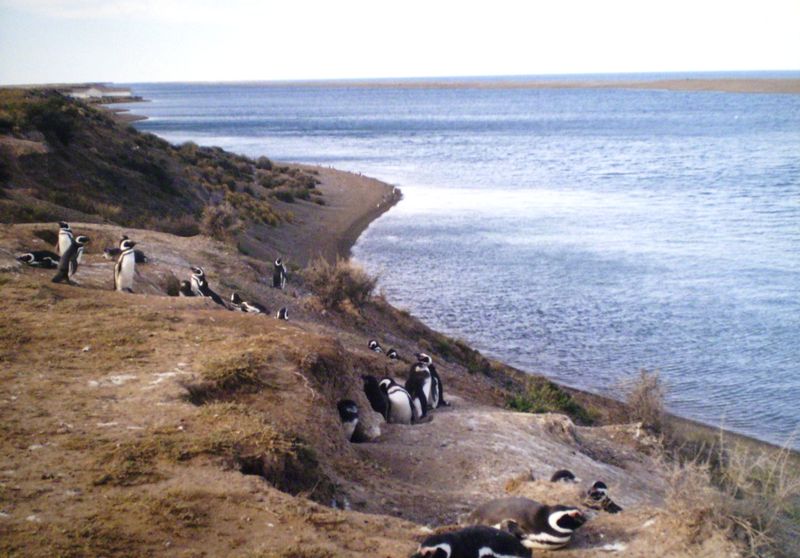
(126, 41)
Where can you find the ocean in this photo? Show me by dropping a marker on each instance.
(585, 234)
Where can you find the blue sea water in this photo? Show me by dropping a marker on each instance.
(581, 233)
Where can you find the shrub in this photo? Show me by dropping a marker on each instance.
(263, 163)
(644, 395)
(543, 396)
(184, 225)
(53, 117)
(284, 195)
(218, 221)
(339, 283)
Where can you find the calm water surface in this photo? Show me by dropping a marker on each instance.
(585, 234)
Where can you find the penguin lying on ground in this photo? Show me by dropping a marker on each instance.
(597, 498)
(68, 263)
(65, 237)
(473, 542)
(279, 275)
(564, 475)
(542, 526)
(125, 267)
(419, 386)
(376, 396)
(375, 346)
(400, 408)
(437, 387)
(245, 306)
(185, 289)
(40, 258)
(200, 286)
(348, 412)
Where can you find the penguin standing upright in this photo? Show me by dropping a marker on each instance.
(376, 396)
(400, 408)
(112, 253)
(68, 265)
(598, 499)
(125, 267)
(40, 258)
(65, 237)
(418, 385)
(279, 275)
(474, 542)
(283, 314)
(437, 389)
(200, 286)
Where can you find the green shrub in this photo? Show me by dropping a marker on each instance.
(53, 117)
(543, 396)
(284, 195)
(263, 163)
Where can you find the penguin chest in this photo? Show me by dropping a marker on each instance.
(64, 241)
(399, 407)
(126, 271)
(427, 386)
(349, 428)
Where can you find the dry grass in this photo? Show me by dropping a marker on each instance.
(644, 396)
(222, 378)
(340, 283)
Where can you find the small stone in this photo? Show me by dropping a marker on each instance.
(87, 348)
(34, 518)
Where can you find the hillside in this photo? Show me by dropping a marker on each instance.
(151, 425)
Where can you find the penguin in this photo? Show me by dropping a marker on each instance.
(65, 237)
(437, 390)
(185, 289)
(473, 542)
(400, 408)
(419, 385)
(375, 346)
(67, 264)
(542, 526)
(279, 275)
(283, 314)
(597, 498)
(40, 258)
(377, 398)
(113, 253)
(244, 306)
(563, 475)
(392, 354)
(125, 267)
(348, 412)
(200, 286)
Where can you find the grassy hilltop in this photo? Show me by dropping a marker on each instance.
(151, 425)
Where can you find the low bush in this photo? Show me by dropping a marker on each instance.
(339, 283)
(543, 396)
(644, 396)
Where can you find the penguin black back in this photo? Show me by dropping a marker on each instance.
(419, 386)
(563, 475)
(376, 396)
(68, 263)
(473, 542)
(44, 259)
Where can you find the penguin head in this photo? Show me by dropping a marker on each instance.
(385, 384)
(63, 225)
(82, 240)
(126, 244)
(424, 358)
(235, 298)
(392, 354)
(564, 475)
(25, 258)
(420, 367)
(565, 519)
(278, 262)
(348, 410)
(598, 491)
(373, 344)
(198, 272)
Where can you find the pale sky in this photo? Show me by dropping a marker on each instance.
(46, 41)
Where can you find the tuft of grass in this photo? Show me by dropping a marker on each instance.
(222, 378)
(543, 396)
(644, 397)
(340, 284)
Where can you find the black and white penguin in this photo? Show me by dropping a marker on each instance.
(419, 385)
(40, 258)
(473, 542)
(564, 475)
(68, 263)
(392, 354)
(348, 412)
(245, 306)
(374, 346)
(279, 274)
(377, 398)
(400, 408)
(597, 498)
(113, 253)
(200, 286)
(283, 314)
(185, 289)
(65, 237)
(542, 526)
(437, 388)
(125, 267)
